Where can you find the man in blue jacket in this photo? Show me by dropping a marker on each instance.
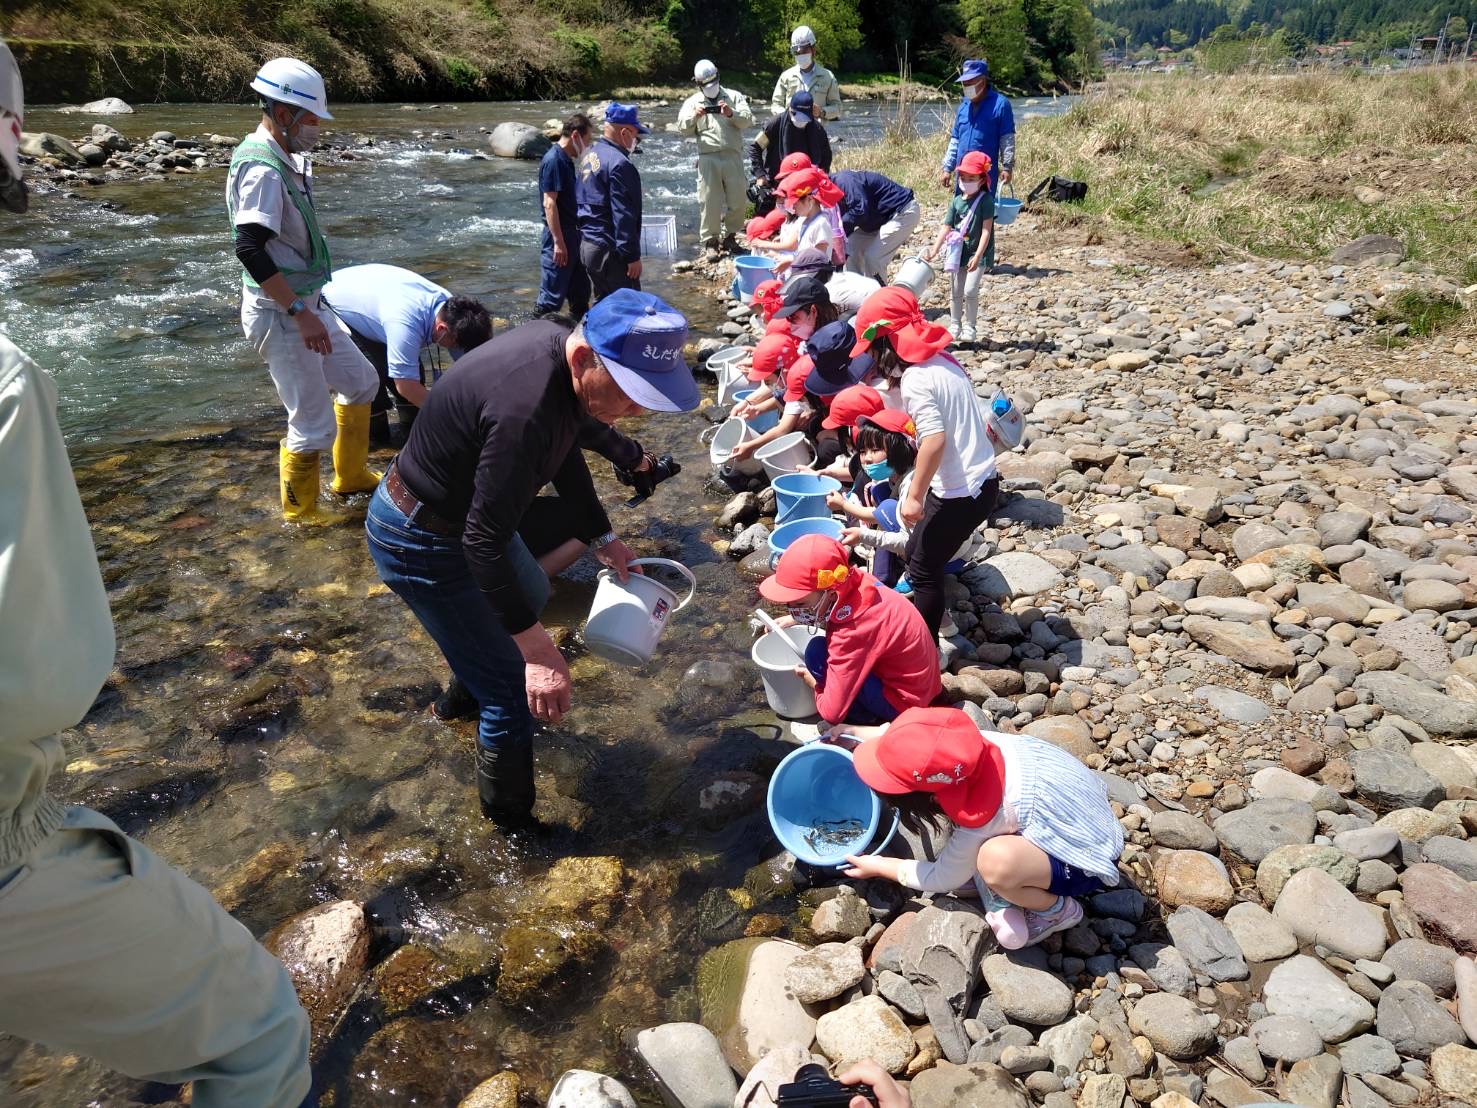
(878, 215)
(984, 122)
(609, 193)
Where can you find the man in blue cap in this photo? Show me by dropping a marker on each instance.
(984, 122)
(453, 523)
(609, 194)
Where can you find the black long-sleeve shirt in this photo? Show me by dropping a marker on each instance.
(489, 437)
(779, 137)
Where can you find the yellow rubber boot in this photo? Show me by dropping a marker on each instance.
(351, 472)
(299, 478)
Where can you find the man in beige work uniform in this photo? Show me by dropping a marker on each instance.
(105, 950)
(717, 117)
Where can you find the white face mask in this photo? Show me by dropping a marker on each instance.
(630, 147)
(799, 119)
(802, 328)
(303, 138)
(969, 188)
(805, 61)
(710, 90)
(975, 91)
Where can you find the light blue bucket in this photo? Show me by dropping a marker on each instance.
(802, 496)
(1007, 208)
(786, 533)
(764, 421)
(751, 271)
(818, 785)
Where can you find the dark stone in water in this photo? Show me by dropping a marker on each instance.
(261, 708)
(719, 919)
(402, 698)
(138, 796)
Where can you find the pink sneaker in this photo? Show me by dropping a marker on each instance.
(1009, 924)
(1065, 913)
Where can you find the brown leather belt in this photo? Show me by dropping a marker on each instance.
(415, 510)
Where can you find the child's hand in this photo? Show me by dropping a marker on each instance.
(836, 501)
(866, 865)
(806, 676)
(930, 255)
(744, 449)
(785, 621)
(974, 263)
(850, 536)
(742, 410)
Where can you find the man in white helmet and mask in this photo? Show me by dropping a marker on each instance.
(807, 75)
(105, 950)
(716, 117)
(285, 262)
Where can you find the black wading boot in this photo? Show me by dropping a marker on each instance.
(455, 703)
(505, 784)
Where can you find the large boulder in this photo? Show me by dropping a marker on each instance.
(1435, 711)
(1173, 1024)
(518, 140)
(973, 1086)
(745, 1002)
(688, 1064)
(108, 105)
(940, 955)
(1304, 987)
(43, 144)
(1027, 992)
(1445, 904)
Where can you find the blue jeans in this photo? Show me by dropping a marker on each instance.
(560, 283)
(429, 572)
(870, 707)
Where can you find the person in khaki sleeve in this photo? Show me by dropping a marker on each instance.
(717, 116)
(105, 949)
(807, 75)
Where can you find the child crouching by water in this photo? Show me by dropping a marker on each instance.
(1030, 820)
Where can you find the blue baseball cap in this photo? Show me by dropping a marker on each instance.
(973, 70)
(829, 350)
(624, 115)
(887, 516)
(802, 101)
(639, 337)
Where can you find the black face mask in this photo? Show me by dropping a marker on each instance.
(13, 194)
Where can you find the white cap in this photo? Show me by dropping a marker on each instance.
(801, 38)
(294, 83)
(12, 111)
(704, 72)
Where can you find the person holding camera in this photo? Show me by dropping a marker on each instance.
(795, 130)
(716, 117)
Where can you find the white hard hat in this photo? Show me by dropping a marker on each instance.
(704, 72)
(801, 38)
(12, 115)
(294, 83)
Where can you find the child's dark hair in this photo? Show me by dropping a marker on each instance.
(901, 454)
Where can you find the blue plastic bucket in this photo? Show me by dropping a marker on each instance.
(751, 271)
(1007, 208)
(815, 786)
(786, 533)
(802, 496)
(764, 421)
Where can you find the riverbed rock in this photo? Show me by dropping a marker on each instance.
(825, 972)
(1368, 248)
(1277, 867)
(43, 144)
(1319, 909)
(587, 1089)
(1418, 960)
(1314, 1082)
(1013, 574)
(1384, 780)
(1286, 1038)
(1414, 1021)
(939, 954)
(1261, 936)
(1233, 705)
(745, 1002)
(842, 917)
(108, 105)
(1181, 831)
(1262, 826)
(688, 1062)
(865, 1028)
(1173, 1024)
(1251, 645)
(1304, 987)
(1026, 991)
(1454, 1070)
(973, 1086)
(1194, 878)
(498, 1091)
(518, 140)
(1207, 944)
(1445, 904)
(325, 950)
(1438, 713)
(1070, 733)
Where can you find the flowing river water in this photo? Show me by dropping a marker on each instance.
(266, 727)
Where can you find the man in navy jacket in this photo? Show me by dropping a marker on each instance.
(609, 193)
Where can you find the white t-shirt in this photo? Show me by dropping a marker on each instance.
(814, 248)
(390, 305)
(940, 398)
(262, 198)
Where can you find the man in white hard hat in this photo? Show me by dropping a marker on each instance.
(717, 116)
(285, 263)
(807, 75)
(105, 950)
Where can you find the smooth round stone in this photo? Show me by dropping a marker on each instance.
(1286, 1038)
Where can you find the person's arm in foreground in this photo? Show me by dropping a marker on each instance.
(930, 454)
(556, 229)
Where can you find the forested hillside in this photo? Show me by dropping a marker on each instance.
(1382, 25)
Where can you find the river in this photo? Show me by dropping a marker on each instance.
(265, 728)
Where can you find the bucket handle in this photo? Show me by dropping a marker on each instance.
(691, 580)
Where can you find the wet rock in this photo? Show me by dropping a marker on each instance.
(741, 510)
(951, 1086)
(1277, 867)
(518, 140)
(414, 972)
(1445, 904)
(1413, 1020)
(1260, 935)
(1314, 1082)
(1025, 990)
(1320, 910)
(1454, 1070)
(688, 1064)
(254, 709)
(539, 956)
(45, 145)
(586, 1089)
(1287, 1038)
(865, 1028)
(1173, 1024)
(325, 950)
(825, 972)
(1304, 987)
(842, 917)
(584, 888)
(745, 1003)
(273, 864)
(498, 1091)
(1256, 830)
(1251, 645)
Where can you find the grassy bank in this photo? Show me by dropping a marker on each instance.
(1252, 166)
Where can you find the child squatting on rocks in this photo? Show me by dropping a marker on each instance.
(1031, 824)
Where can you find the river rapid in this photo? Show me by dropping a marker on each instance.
(266, 727)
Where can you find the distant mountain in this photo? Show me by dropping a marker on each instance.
(1380, 24)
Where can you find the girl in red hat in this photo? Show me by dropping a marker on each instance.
(1031, 824)
(806, 245)
(968, 241)
(884, 456)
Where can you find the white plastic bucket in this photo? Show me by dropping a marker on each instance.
(915, 275)
(728, 435)
(626, 621)
(786, 691)
(785, 454)
(732, 379)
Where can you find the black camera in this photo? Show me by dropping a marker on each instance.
(814, 1088)
(645, 483)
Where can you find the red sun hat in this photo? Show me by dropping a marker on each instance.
(812, 181)
(764, 226)
(893, 310)
(774, 354)
(890, 419)
(939, 751)
(850, 404)
(976, 162)
(794, 163)
(768, 298)
(810, 562)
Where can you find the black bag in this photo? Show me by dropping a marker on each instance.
(1060, 189)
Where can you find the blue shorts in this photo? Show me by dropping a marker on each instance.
(1067, 881)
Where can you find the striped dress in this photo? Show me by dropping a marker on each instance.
(1052, 800)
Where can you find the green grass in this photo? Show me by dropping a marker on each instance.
(1426, 313)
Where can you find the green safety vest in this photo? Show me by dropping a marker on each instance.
(304, 282)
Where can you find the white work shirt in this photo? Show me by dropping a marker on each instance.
(389, 305)
(940, 398)
(261, 198)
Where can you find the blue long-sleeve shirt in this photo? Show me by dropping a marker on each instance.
(609, 194)
(987, 125)
(869, 200)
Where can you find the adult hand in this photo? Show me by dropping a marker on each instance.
(725, 109)
(806, 676)
(315, 335)
(1006, 175)
(865, 865)
(616, 555)
(702, 110)
(633, 271)
(545, 675)
(889, 1093)
(946, 178)
(561, 254)
(850, 536)
(910, 511)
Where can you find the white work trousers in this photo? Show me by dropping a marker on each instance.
(722, 193)
(304, 379)
(871, 252)
(108, 951)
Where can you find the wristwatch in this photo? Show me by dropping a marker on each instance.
(296, 306)
(603, 541)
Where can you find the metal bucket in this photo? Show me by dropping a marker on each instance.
(915, 275)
